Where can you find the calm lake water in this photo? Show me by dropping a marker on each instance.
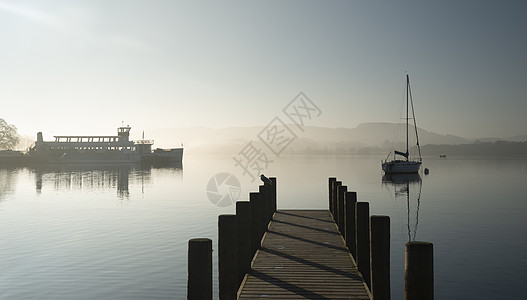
(122, 233)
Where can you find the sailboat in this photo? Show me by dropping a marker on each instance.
(404, 165)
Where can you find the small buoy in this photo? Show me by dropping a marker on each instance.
(427, 171)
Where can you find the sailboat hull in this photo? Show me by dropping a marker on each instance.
(401, 167)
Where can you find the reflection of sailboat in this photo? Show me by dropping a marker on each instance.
(406, 165)
(402, 184)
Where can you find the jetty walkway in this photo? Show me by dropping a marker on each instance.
(303, 256)
(340, 253)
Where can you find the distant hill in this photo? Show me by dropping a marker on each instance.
(365, 138)
(516, 138)
(490, 149)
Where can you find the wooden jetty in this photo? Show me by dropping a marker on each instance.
(340, 253)
(303, 256)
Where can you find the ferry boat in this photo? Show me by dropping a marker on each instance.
(100, 149)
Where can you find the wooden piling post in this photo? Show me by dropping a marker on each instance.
(419, 271)
(350, 199)
(199, 284)
(227, 253)
(254, 199)
(340, 204)
(362, 225)
(330, 189)
(273, 201)
(243, 220)
(380, 257)
(265, 198)
(334, 194)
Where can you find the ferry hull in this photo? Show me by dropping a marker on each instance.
(167, 156)
(172, 154)
(163, 156)
(83, 158)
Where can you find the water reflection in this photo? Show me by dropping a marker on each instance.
(97, 177)
(7, 181)
(407, 187)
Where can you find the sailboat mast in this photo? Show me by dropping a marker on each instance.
(407, 91)
(415, 122)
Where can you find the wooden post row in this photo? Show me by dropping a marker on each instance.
(340, 204)
(199, 284)
(256, 236)
(243, 219)
(419, 271)
(380, 257)
(334, 194)
(227, 254)
(330, 189)
(273, 201)
(350, 200)
(362, 224)
(265, 196)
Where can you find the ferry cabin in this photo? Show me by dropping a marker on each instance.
(119, 144)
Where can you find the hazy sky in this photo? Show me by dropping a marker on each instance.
(83, 67)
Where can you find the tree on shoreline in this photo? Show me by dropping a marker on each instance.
(8, 136)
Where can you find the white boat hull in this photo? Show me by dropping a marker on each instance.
(401, 167)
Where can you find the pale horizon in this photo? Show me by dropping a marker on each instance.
(84, 67)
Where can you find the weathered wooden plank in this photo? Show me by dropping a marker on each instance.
(303, 256)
